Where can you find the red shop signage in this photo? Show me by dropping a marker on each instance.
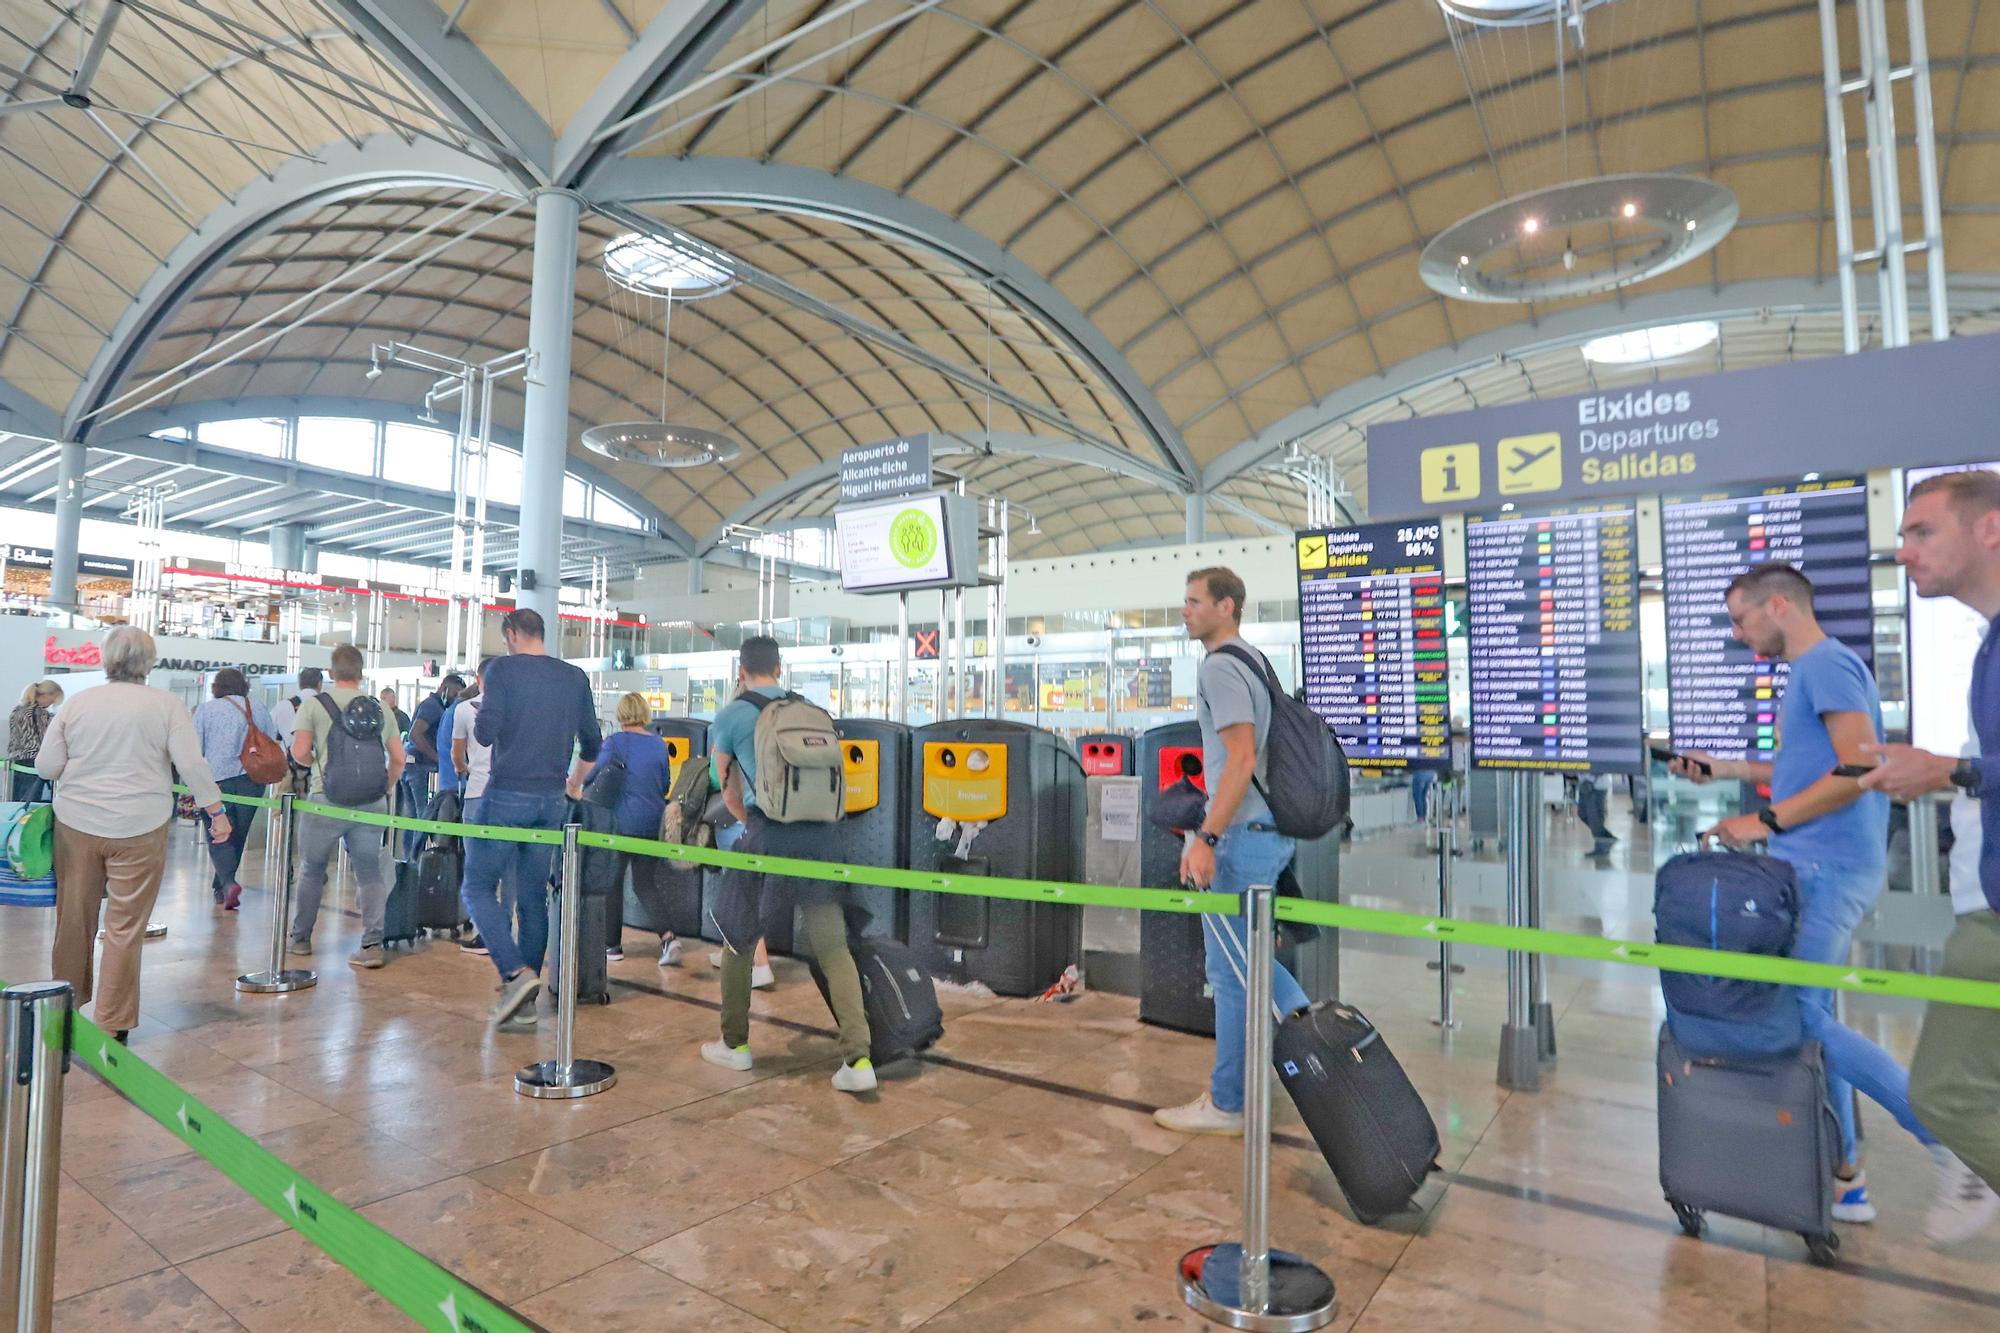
(84, 655)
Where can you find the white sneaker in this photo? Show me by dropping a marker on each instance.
(761, 978)
(857, 1077)
(729, 1057)
(670, 956)
(1200, 1116)
(1965, 1204)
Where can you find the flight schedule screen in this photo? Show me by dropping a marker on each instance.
(1552, 601)
(1371, 615)
(1721, 697)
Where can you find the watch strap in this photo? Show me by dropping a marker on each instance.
(1769, 818)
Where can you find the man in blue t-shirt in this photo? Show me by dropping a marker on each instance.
(424, 752)
(1834, 834)
(535, 711)
(744, 896)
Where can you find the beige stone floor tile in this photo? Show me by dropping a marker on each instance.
(284, 1283)
(256, 1104)
(1043, 1136)
(497, 1243)
(644, 1181)
(1804, 1298)
(1055, 1288)
(162, 1302)
(93, 1247)
(1035, 1203)
(630, 1297)
(398, 1069)
(1450, 1280)
(803, 1113)
(474, 1124)
(836, 1251)
(107, 1134)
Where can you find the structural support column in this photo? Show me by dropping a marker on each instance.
(71, 462)
(545, 418)
(1197, 518)
(288, 546)
(695, 573)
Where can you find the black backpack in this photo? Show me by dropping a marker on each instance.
(356, 768)
(1302, 758)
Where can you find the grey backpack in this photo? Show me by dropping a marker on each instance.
(356, 770)
(801, 775)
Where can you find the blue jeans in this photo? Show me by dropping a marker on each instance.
(1832, 901)
(506, 880)
(1245, 856)
(416, 794)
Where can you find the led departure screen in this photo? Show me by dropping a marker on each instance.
(1552, 602)
(1722, 698)
(1371, 615)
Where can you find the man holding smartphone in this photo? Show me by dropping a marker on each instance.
(1834, 834)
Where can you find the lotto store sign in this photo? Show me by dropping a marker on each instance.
(1929, 404)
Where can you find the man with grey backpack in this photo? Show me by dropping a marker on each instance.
(783, 777)
(356, 757)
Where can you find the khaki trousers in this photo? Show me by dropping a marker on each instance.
(1955, 1077)
(124, 874)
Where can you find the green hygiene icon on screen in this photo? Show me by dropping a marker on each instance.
(913, 538)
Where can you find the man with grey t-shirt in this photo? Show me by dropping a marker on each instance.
(1237, 845)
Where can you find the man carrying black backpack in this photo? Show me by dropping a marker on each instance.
(356, 758)
(1238, 845)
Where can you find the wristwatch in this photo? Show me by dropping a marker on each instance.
(1769, 819)
(1965, 777)
(1210, 838)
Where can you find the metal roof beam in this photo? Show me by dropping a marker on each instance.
(682, 40)
(449, 68)
(883, 213)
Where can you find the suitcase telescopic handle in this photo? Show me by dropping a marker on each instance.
(1231, 954)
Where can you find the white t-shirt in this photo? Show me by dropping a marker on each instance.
(478, 758)
(284, 717)
(1967, 895)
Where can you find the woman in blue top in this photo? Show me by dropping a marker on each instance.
(222, 722)
(640, 809)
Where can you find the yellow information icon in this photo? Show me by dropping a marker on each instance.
(1449, 472)
(1312, 552)
(1531, 463)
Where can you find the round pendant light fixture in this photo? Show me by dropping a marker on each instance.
(1579, 238)
(660, 444)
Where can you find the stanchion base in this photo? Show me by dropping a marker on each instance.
(544, 1079)
(1545, 1033)
(1449, 1025)
(271, 983)
(1300, 1297)
(1520, 1060)
(155, 930)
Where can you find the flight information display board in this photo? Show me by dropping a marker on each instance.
(1371, 622)
(1552, 601)
(1722, 698)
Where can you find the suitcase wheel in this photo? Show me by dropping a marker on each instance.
(1824, 1249)
(1692, 1221)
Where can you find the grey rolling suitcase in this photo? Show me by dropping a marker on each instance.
(1753, 1138)
(593, 974)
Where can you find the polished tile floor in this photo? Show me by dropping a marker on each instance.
(1018, 1183)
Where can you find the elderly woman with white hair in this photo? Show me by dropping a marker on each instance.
(111, 753)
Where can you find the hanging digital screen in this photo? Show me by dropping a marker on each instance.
(1722, 699)
(1371, 618)
(1552, 604)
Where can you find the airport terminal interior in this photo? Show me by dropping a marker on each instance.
(1490, 348)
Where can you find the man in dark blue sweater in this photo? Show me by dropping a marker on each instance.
(535, 711)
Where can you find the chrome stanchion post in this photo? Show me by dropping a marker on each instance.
(1251, 1286)
(277, 977)
(1520, 1056)
(1447, 849)
(1924, 877)
(34, 1043)
(566, 1076)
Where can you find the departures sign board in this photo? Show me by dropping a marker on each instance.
(1371, 625)
(1722, 699)
(1552, 601)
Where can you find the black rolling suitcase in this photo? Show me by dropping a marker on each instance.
(1359, 1105)
(440, 872)
(1751, 1137)
(900, 997)
(399, 915)
(593, 973)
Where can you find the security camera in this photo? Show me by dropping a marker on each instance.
(1034, 640)
(838, 650)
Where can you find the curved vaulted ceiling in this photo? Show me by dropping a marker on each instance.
(1174, 239)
